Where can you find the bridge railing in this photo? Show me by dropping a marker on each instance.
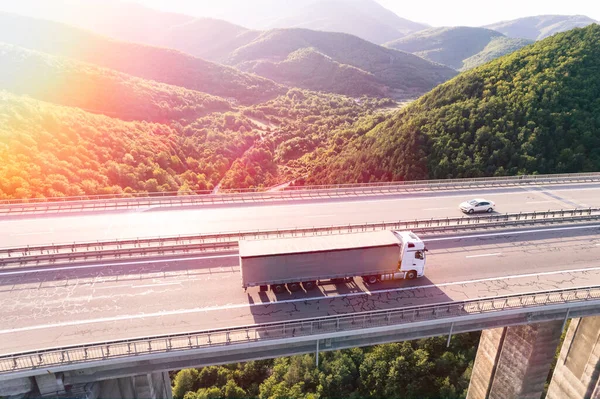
(139, 347)
(156, 246)
(135, 200)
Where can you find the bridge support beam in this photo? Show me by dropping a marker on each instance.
(146, 386)
(577, 370)
(513, 362)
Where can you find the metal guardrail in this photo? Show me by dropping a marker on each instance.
(156, 246)
(135, 200)
(139, 347)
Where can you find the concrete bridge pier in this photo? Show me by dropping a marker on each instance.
(145, 386)
(514, 362)
(50, 384)
(577, 370)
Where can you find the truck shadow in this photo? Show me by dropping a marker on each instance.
(346, 299)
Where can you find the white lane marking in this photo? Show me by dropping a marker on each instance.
(30, 234)
(511, 233)
(438, 209)
(481, 256)
(66, 268)
(541, 202)
(298, 300)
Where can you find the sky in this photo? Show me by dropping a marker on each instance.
(432, 12)
(259, 14)
(483, 12)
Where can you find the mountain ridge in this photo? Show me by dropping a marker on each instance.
(452, 46)
(153, 63)
(538, 27)
(399, 71)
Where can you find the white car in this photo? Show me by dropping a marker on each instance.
(477, 205)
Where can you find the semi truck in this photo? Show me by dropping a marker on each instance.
(305, 262)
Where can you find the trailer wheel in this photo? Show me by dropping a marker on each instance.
(278, 288)
(411, 275)
(293, 287)
(371, 279)
(309, 285)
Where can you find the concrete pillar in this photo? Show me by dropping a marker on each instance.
(513, 362)
(578, 366)
(50, 384)
(145, 386)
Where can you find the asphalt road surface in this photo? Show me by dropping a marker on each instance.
(20, 231)
(48, 307)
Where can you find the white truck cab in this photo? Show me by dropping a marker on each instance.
(412, 257)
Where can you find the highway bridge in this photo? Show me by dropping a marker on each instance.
(76, 321)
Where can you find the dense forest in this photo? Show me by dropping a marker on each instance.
(534, 111)
(49, 150)
(423, 369)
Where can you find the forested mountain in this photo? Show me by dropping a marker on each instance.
(311, 69)
(99, 90)
(154, 63)
(541, 26)
(272, 54)
(533, 111)
(452, 46)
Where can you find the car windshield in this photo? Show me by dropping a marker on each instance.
(472, 202)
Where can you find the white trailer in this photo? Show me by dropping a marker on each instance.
(307, 261)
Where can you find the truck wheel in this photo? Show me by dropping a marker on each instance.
(309, 285)
(293, 287)
(372, 279)
(278, 288)
(411, 275)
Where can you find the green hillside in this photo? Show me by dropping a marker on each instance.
(403, 74)
(99, 90)
(534, 111)
(452, 46)
(153, 63)
(540, 26)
